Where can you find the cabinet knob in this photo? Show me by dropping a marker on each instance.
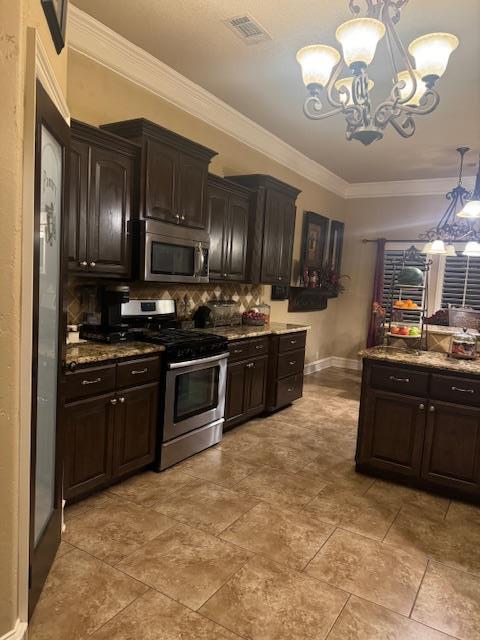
(279, 277)
(83, 263)
(177, 217)
(432, 408)
(182, 217)
(421, 406)
(113, 401)
(92, 264)
(224, 275)
(292, 362)
(250, 365)
(121, 399)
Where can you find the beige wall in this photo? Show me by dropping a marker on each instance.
(96, 95)
(394, 218)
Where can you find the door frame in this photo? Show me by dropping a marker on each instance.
(37, 67)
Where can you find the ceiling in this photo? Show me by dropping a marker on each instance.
(263, 81)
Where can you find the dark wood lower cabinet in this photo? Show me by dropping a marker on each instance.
(422, 440)
(88, 444)
(245, 396)
(135, 426)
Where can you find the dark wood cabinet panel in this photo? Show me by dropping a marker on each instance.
(392, 432)
(135, 428)
(218, 212)
(101, 201)
(237, 238)
(275, 246)
(173, 174)
(88, 445)
(235, 394)
(255, 385)
(285, 369)
(452, 446)
(246, 385)
(161, 177)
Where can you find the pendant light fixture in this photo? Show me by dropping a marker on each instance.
(460, 222)
(414, 74)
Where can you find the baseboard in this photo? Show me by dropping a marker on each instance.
(19, 632)
(332, 361)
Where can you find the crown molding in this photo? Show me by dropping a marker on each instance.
(45, 73)
(96, 41)
(430, 187)
(91, 38)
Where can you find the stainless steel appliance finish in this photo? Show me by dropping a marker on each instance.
(194, 394)
(187, 445)
(171, 253)
(148, 308)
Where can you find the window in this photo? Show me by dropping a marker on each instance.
(392, 256)
(461, 282)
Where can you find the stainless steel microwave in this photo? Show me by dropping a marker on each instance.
(171, 253)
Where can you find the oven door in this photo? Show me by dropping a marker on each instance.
(169, 259)
(194, 394)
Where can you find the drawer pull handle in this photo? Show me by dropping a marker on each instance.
(91, 381)
(290, 389)
(293, 342)
(259, 346)
(292, 362)
(395, 379)
(140, 371)
(250, 365)
(238, 351)
(462, 390)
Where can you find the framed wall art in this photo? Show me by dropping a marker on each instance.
(56, 15)
(335, 245)
(314, 239)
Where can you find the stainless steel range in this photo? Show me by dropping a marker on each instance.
(195, 372)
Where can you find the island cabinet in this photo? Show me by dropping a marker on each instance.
(228, 214)
(246, 380)
(101, 201)
(173, 177)
(109, 423)
(271, 229)
(422, 427)
(285, 369)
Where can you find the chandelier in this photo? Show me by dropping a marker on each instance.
(460, 222)
(412, 92)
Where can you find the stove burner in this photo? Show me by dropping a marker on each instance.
(186, 345)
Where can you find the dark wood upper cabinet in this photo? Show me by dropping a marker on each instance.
(229, 212)
(101, 201)
(271, 228)
(173, 173)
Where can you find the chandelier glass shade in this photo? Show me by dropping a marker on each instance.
(455, 225)
(412, 92)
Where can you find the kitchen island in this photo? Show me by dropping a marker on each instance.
(419, 420)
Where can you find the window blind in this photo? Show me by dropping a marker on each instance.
(392, 256)
(461, 282)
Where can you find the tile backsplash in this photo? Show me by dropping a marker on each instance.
(82, 297)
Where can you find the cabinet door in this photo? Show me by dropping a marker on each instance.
(135, 428)
(237, 234)
(88, 428)
(109, 213)
(288, 232)
(255, 386)
(235, 394)
(392, 431)
(218, 210)
(161, 176)
(77, 210)
(452, 446)
(278, 232)
(192, 188)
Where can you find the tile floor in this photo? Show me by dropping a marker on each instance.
(270, 535)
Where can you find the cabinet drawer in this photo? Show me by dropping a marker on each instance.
(239, 350)
(289, 389)
(136, 372)
(89, 382)
(292, 341)
(455, 389)
(258, 347)
(290, 363)
(413, 383)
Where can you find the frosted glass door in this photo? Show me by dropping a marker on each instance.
(51, 180)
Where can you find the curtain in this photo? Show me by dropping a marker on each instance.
(373, 337)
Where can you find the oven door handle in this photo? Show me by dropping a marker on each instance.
(184, 365)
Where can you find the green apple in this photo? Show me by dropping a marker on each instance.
(414, 331)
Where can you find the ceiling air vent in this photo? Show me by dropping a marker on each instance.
(247, 29)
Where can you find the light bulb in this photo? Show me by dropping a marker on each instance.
(431, 53)
(359, 39)
(405, 77)
(472, 249)
(470, 210)
(317, 62)
(450, 249)
(347, 82)
(438, 247)
(427, 248)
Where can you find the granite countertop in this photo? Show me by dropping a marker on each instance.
(428, 359)
(248, 331)
(88, 352)
(438, 328)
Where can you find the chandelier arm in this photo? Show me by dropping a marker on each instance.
(406, 129)
(331, 84)
(428, 103)
(313, 106)
(393, 38)
(355, 7)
